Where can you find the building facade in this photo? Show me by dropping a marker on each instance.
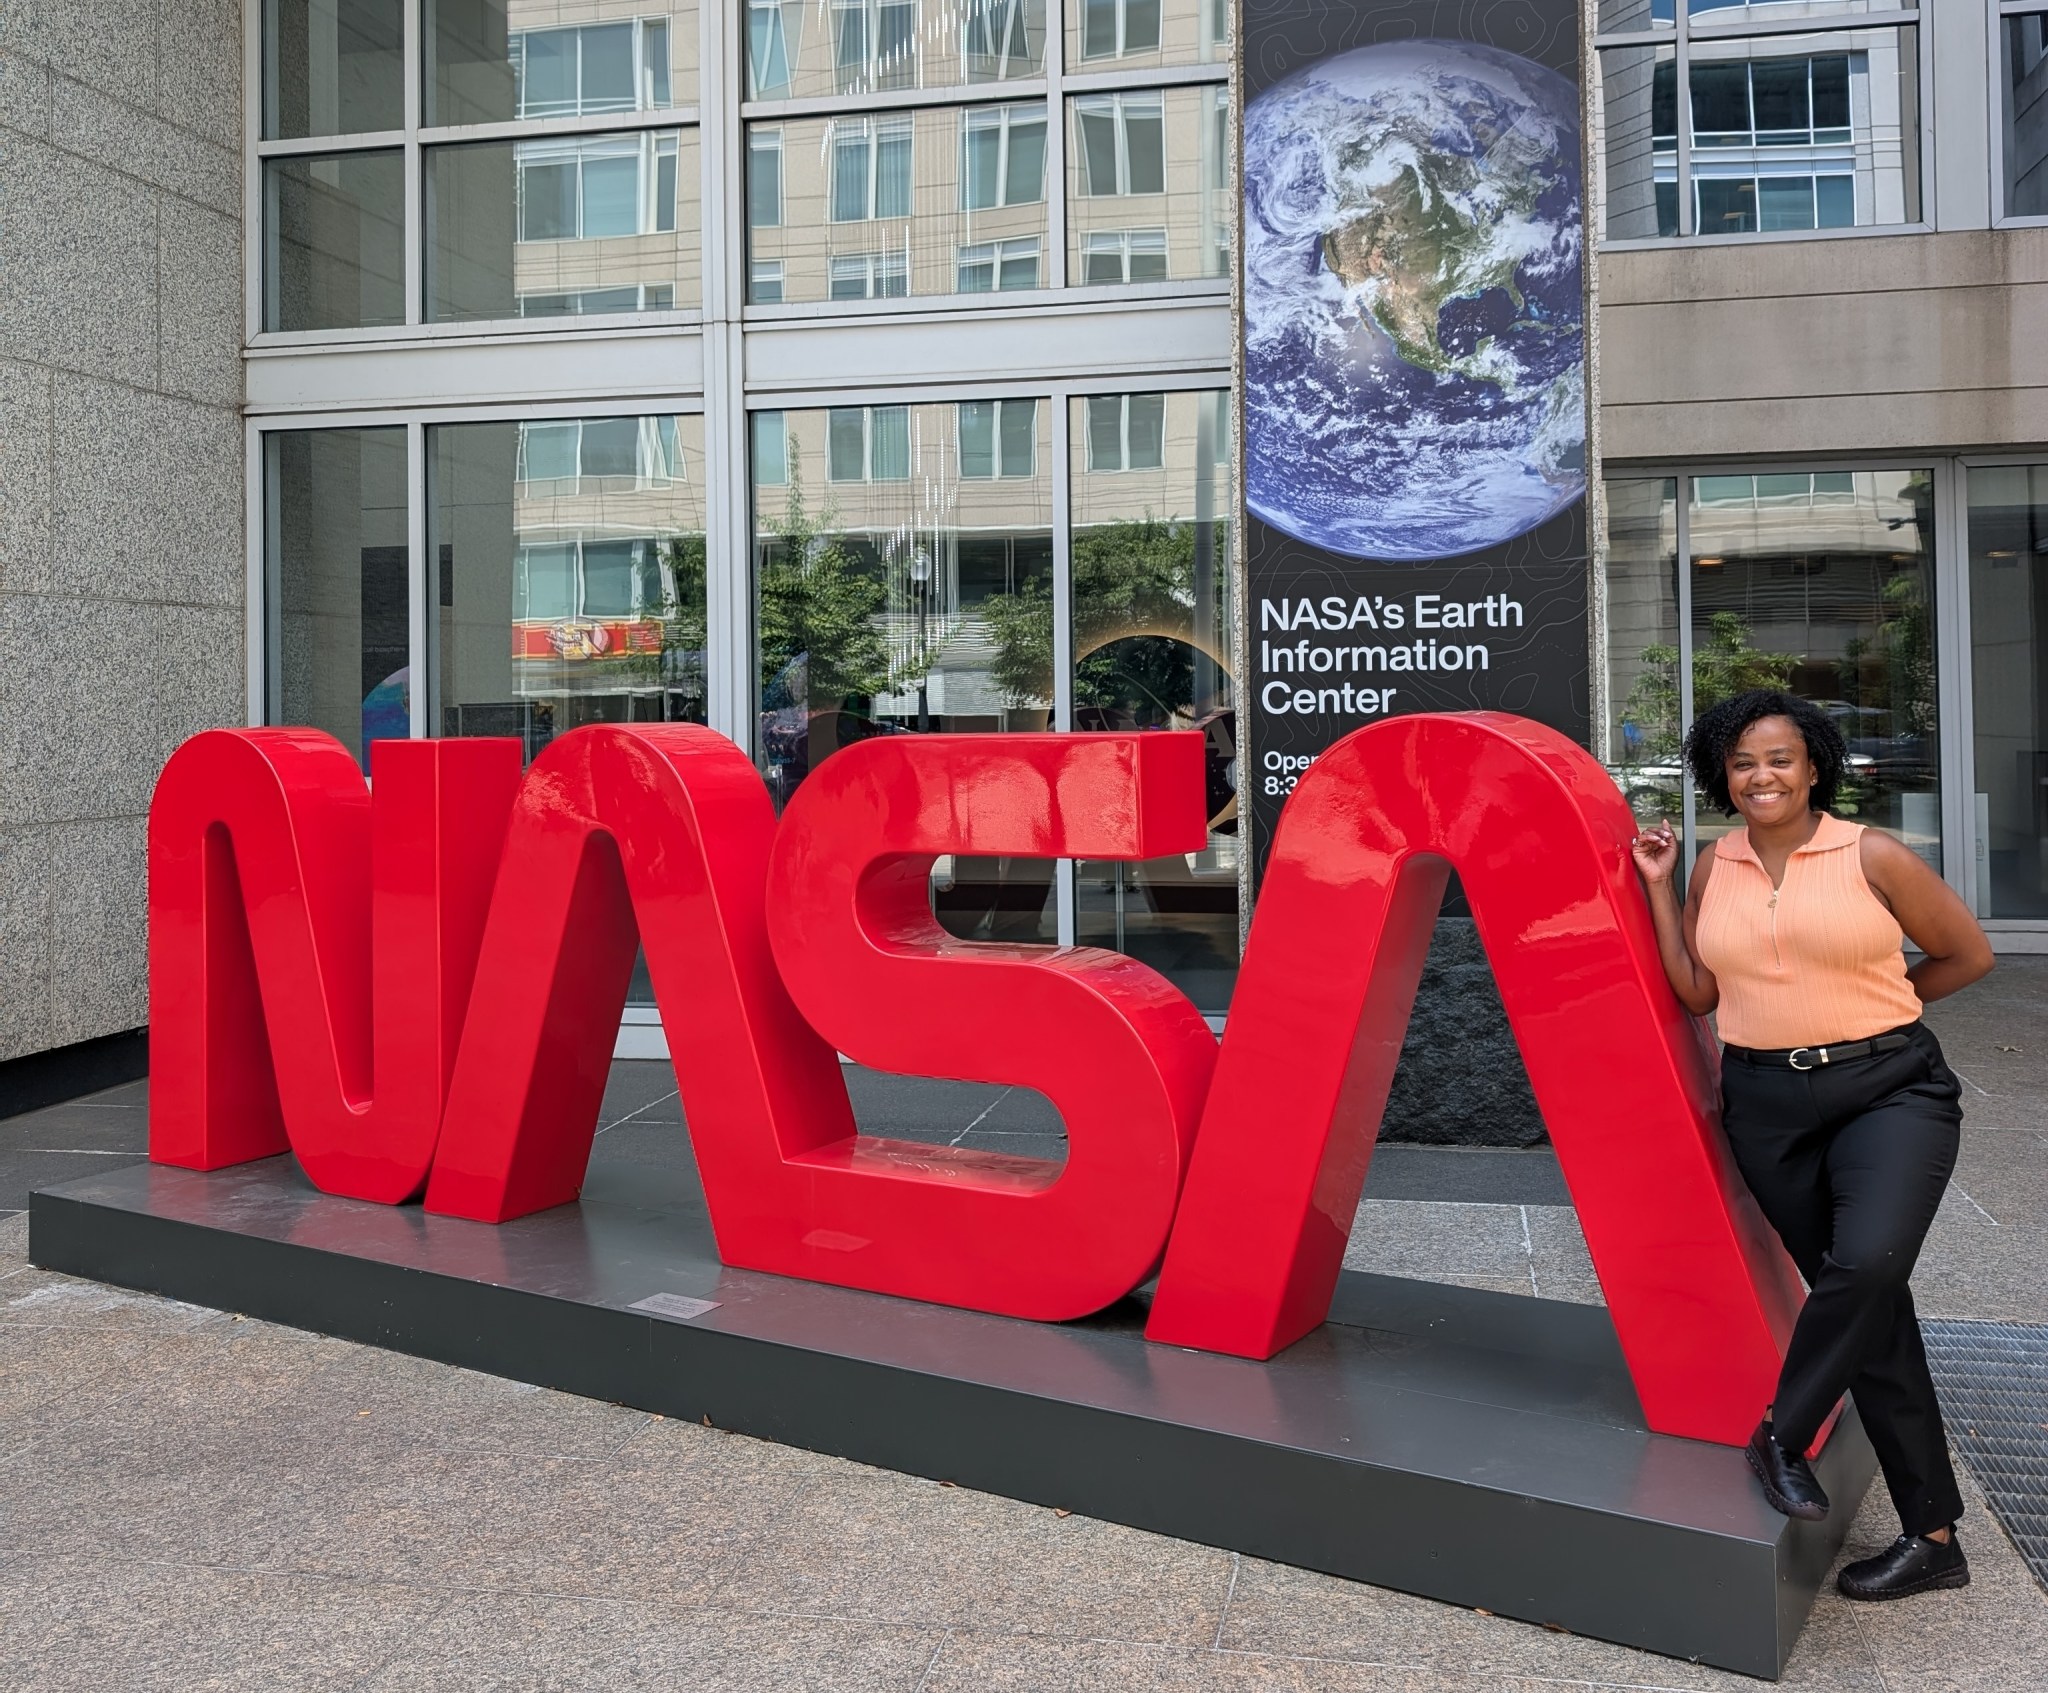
(824, 369)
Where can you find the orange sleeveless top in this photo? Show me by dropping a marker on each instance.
(1819, 959)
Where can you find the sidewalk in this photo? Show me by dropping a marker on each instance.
(189, 1499)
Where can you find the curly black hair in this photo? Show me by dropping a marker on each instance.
(1716, 730)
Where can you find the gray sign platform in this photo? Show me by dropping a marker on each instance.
(1477, 1448)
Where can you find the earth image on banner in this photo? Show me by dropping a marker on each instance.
(1414, 322)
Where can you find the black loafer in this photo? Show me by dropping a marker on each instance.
(1789, 1482)
(1911, 1564)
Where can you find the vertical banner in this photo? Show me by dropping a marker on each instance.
(1414, 377)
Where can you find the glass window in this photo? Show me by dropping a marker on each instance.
(771, 462)
(1123, 143)
(1002, 156)
(339, 584)
(571, 559)
(869, 443)
(2024, 114)
(871, 168)
(998, 438)
(869, 276)
(1115, 35)
(1149, 181)
(2009, 687)
(924, 202)
(799, 51)
(897, 596)
(1786, 133)
(490, 61)
(1645, 724)
(332, 67)
(986, 266)
(335, 241)
(571, 225)
(1824, 584)
(1152, 643)
(1126, 431)
(771, 26)
(764, 178)
(1002, 38)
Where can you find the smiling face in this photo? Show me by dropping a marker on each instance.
(1770, 773)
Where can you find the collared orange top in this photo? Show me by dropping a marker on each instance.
(1819, 959)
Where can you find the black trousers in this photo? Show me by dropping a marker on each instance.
(1849, 1161)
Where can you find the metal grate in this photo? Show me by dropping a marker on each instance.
(1993, 1381)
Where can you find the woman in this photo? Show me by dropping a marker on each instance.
(1843, 1115)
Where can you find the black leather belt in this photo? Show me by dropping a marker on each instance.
(1813, 1057)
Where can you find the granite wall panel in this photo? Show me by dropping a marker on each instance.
(78, 247)
(24, 469)
(111, 44)
(157, 520)
(121, 551)
(98, 969)
(78, 738)
(24, 92)
(94, 125)
(199, 257)
(25, 888)
(199, 70)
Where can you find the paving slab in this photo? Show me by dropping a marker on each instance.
(971, 1662)
(493, 1641)
(867, 1543)
(69, 1623)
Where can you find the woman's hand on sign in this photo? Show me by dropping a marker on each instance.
(1655, 851)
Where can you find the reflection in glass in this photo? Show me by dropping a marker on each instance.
(1619, 15)
(1149, 185)
(1822, 582)
(335, 563)
(1152, 642)
(490, 61)
(2009, 687)
(1120, 35)
(1637, 87)
(2024, 114)
(1644, 728)
(902, 585)
(796, 50)
(332, 67)
(885, 206)
(570, 559)
(563, 226)
(1732, 14)
(1788, 132)
(335, 229)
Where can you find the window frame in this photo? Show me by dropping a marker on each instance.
(2000, 12)
(1682, 33)
(1004, 120)
(1121, 104)
(871, 130)
(1000, 410)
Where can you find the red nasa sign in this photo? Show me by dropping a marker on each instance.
(417, 990)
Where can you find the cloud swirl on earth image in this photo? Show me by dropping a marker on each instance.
(1414, 322)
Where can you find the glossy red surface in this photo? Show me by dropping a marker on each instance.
(660, 832)
(1117, 1049)
(1702, 1295)
(311, 948)
(375, 984)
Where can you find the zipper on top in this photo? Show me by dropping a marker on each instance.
(1772, 906)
